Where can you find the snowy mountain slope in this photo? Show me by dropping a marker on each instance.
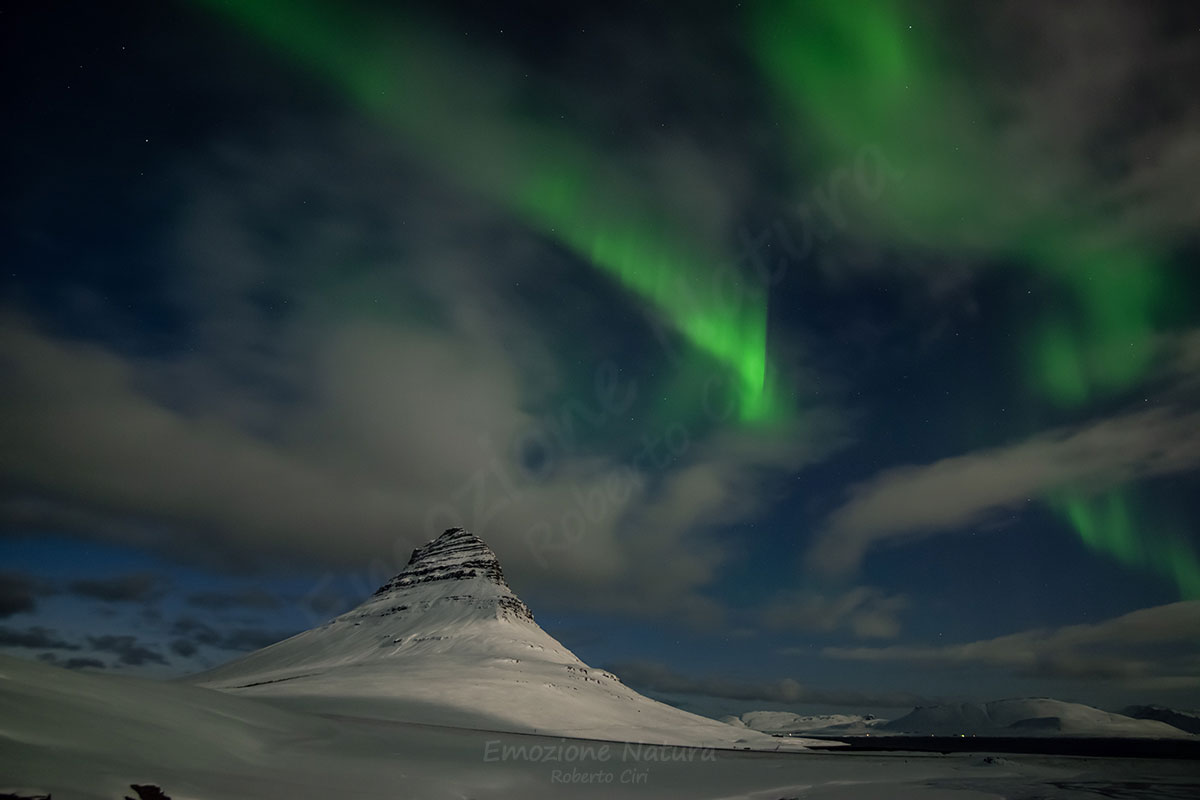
(447, 641)
(94, 735)
(1026, 717)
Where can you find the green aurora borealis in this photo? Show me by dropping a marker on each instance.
(551, 180)
(1107, 524)
(850, 75)
(843, 76)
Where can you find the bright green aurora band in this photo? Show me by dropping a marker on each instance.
(851, 75)
(409, 80)
(1106, 524)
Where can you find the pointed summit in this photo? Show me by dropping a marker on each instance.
(456, 568)
(454, 555)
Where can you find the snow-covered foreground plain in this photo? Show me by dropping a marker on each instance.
(81, 735)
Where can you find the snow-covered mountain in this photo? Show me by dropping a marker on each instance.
(823, 724)
(448, 642)
(1184, 720)
(1026, 717)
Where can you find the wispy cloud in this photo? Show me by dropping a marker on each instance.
(658, 677)
(957, 492)
(1154, 647)
(866, 611)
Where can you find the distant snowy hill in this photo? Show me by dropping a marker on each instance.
(1184, 720)
(447, 642)
(1026, 717)
(823, 724)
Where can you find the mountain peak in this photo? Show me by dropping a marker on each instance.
(459, 565)
(455, 555)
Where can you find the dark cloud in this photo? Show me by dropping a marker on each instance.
(196, 631)
(866, 611)
(75, 662)
(327, 599)
(252, 638)
(127, 650)
(35, 637)
(191, 632)
(133, 588)
(661, 678)
(248, 598)
(183, 647)
(16, 594)
(81, 663)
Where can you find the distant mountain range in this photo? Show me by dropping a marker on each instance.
(1184, 720)
(1019, 717)
(817, 724)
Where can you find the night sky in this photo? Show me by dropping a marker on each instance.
(809, 355)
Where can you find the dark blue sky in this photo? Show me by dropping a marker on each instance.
(264, 331)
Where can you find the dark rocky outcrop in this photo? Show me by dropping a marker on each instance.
(456, 555)
(146, 791)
